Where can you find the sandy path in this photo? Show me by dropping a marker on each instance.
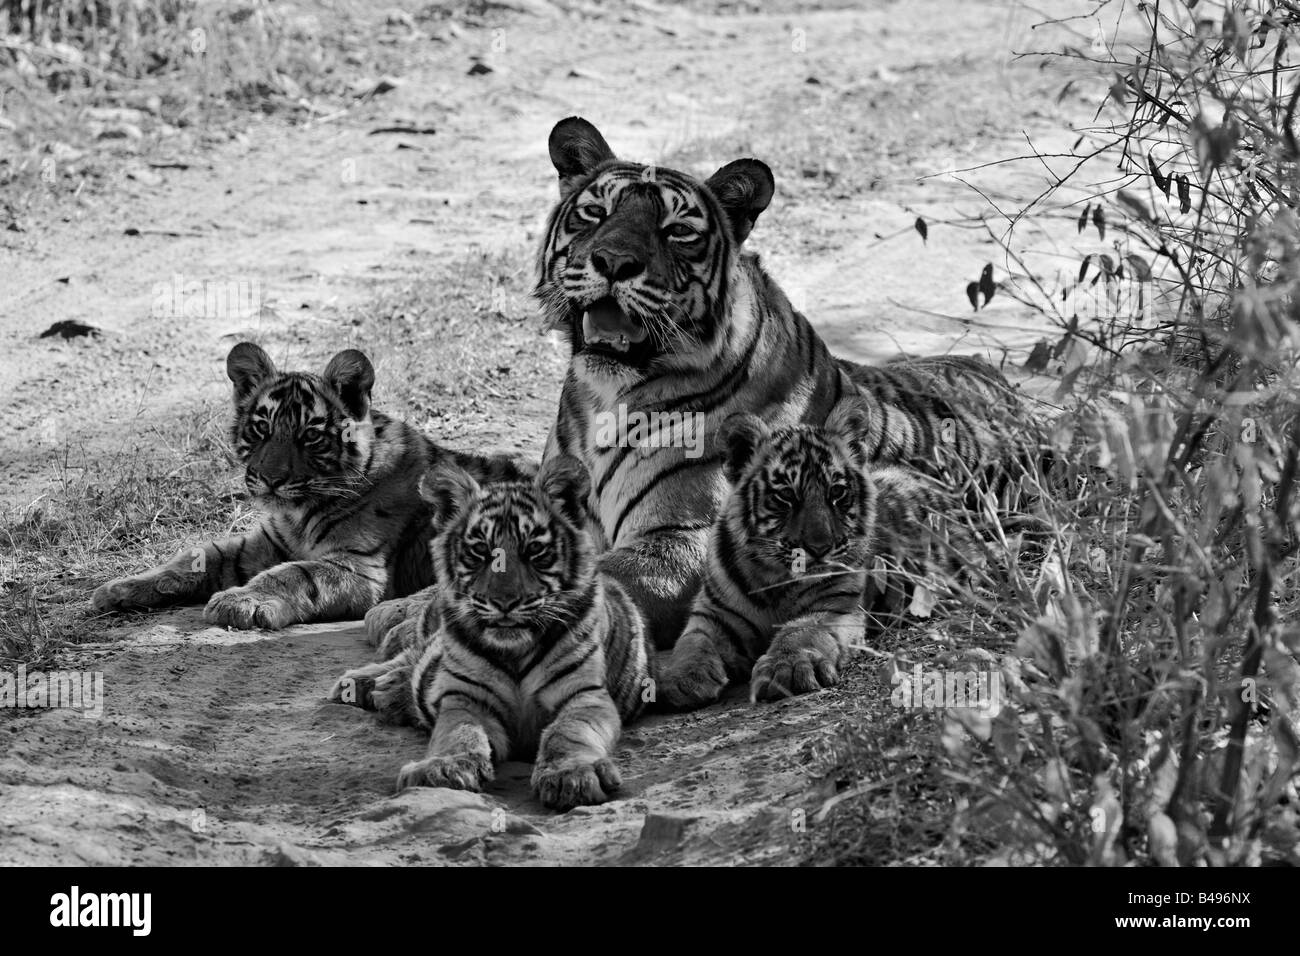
(219, 747)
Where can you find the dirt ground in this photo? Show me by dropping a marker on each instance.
(218, 747)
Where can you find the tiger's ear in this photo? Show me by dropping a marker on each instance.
(576, 148)
(565, 481)
(448, 489)
(351, 375)
(740, 434)
(744, 187)
(248, 366)
(850, 421)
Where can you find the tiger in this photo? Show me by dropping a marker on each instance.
(342, 525)
(672, 326)
(535, 653)
(794, 557)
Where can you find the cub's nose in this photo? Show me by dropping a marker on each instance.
(818, 547)
(616, 266)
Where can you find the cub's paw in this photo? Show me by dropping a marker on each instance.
(248, 608)
(393, 701)
(565, 787)
(140, 591)
(356, 687)
(457, 771)
(402, 635)
(786, 672)
(693, 684)
(383, 617)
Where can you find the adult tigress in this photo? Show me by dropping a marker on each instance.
(673, 328)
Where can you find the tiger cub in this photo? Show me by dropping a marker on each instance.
(343, 525)
(534, 652)
(790, 557)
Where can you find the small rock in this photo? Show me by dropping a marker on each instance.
(121, 131)
(478, 69)
(146, 177)
(663, 831)
(385, 84)
(69, 329)
(286, 854)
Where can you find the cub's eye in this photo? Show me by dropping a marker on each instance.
(782, 498)
(593, 211)
(839, 493)
(681, 231)
(539, 552)
(314, 436)
(477, 550)
(257, 429)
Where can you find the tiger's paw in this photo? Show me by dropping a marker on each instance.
(248, 608)
(140, 591)
(694, 677)
(695, 683)
(457, 771)
(356, 687)
(392, 699)
(787, 672)
(383, 617)
(584, 784)
(401, 636)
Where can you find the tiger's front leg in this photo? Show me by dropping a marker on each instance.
(806, 654)
(460, 748)
(716, 649)
(192, 575)
(661, 573)
(393, 626)
(328, 588)
(574, 767)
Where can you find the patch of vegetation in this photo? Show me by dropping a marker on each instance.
(1151, 707)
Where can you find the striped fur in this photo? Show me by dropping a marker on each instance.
(808, 521)
(343, 525)
(642, 268)
(527, 649)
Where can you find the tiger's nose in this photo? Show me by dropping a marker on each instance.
(818, 548)
(616, 266)
(269, 480)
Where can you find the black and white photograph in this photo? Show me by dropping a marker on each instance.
(651, 433)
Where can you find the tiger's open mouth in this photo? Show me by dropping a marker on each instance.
(609, 331)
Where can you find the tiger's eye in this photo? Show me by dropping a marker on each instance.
(592, 211)
(539, 552)
(781, 498)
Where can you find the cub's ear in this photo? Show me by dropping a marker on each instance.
(565, 481)
(248, 366)
(448, 489)
(577, 148)
(351, 375)
(740, 434)
(850, 421)
(744, 187)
